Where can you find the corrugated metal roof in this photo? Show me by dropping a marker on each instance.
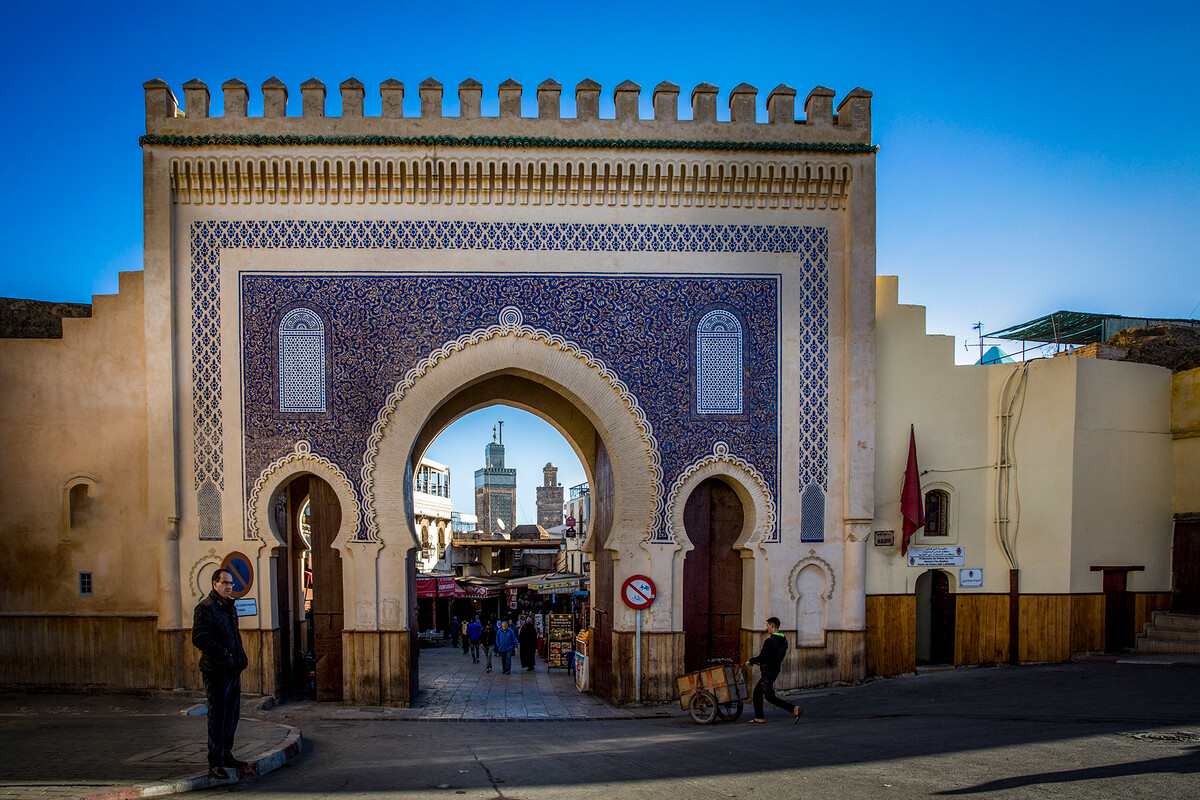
(1079, 327)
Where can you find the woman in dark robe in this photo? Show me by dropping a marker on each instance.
(527, 637)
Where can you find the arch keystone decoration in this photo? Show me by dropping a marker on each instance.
(298, 462)
(748, 483)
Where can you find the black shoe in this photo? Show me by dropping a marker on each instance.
(218, 773)
(234, 763)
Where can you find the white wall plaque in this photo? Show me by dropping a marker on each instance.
(970, 577)
(936, 557)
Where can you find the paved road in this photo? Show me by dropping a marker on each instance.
(1089, 730)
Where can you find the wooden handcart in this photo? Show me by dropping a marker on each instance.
(715, 693)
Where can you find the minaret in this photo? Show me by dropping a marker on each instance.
(496, 489)
(549, 498)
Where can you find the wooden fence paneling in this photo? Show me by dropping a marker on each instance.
(1087, 623)
(980, 629)
(891, 634)
(117, 652)
(1144, 606)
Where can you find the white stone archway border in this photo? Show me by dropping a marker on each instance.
(757, 503)
(300, 461)
(759, 516)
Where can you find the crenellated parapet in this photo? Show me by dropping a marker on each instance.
(547, 160)
(821, 128)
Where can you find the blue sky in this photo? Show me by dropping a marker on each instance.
(529, 442)
(1033, 156)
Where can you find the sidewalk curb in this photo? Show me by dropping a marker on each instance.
(267, 761)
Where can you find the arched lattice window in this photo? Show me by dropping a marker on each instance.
(937, 513)
(719, 364)
(302, 362)
(425, 537)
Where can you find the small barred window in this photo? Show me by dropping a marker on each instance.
(719, 364)
(937, 513)
(302, 362)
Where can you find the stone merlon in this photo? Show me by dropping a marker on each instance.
(846, 130)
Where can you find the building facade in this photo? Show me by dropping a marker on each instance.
(495, 493)
(433, 513)
(550, 499)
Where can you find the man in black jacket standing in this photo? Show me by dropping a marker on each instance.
(222, 659)
(769, 660)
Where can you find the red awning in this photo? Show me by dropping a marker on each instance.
(426, 587)
(446, 586)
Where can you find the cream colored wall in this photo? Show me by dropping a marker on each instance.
(1123, 474)
(1185, 434)
(917, 383)
(1091, 454)
(71, 406)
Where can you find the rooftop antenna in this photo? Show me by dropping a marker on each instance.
(501, 432)
(978, 326)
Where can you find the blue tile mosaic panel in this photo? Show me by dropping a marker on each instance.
(381, 326)
(637, 325)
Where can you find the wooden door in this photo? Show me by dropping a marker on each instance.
(1118, 611)
(325, 516)
(941, 620)
(712, 576)
(1185, 568)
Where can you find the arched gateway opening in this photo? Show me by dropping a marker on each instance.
(570, 390)
(712, 576)
(309, 597)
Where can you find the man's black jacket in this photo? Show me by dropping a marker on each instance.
(215, 633)
(769, 659)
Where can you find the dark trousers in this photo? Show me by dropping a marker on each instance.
(766, 688)
(475, 650)
(223, 693)
(487, 651)
(505, 661)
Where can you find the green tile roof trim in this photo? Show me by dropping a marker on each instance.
(505, 141)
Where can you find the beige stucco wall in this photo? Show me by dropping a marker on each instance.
(1091, 454)
(71, 407)
(1185, 433)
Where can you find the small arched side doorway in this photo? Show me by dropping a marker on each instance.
(712, 576)
(935, 618)
(308, 516)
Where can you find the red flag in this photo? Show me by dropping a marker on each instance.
(912, 507)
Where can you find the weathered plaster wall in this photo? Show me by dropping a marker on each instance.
(70, 407)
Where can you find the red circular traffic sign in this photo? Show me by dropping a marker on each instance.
(638, 591)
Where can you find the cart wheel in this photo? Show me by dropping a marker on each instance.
(703, 707)
(728, 712)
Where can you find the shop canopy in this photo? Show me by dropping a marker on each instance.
(478, 588)
(547, 583)
(436, 586)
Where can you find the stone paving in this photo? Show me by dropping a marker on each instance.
(455, 688)
(110, 745)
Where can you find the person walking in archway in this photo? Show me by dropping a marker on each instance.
(487, 639)
(506, 642)
(528, 638)
(769, 661)
(474, 629)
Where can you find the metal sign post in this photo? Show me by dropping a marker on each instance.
(638, 592)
